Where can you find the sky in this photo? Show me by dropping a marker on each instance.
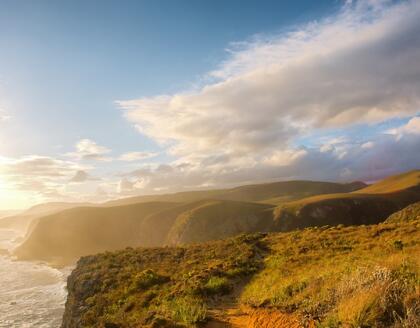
(108, 99)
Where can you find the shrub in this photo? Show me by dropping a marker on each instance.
(217, 285)
(147, 279)
(186, 310)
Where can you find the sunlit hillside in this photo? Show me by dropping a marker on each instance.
(340, 276)
(63, 237)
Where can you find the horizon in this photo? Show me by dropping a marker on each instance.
(101, 101)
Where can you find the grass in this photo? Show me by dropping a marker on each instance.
(358, 276)
(352, 277)
(140, 287)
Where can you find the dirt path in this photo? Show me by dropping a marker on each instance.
(250, 318)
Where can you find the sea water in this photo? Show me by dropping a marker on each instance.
(31, 294)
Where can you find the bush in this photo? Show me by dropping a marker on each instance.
(186, 310)
(217, 285)
(147, 279)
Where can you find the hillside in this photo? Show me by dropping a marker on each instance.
(23, 220)
(366, 276)
(211, 220)
(369, 205)
(271, 193)
(65, 236)
(411, 212)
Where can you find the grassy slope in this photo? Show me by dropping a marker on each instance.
(411, 212)
(364, 206)
(365, 276)
(72, 233)
(22, 221)
(67, 235)
(267, 192)
(218, 219)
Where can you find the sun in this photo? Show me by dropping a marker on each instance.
(10, 198)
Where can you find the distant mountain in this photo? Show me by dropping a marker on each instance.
(69, 234)
(22, 220)
(8, 213)
(185, 218)
(270, 193)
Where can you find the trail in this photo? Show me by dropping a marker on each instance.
(236, 317)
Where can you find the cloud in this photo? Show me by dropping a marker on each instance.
(355, 69)
(82, 176)
(87, 149)
(3, 116)
(39, 177)
(136, 156)
(358, 67)
(412, 127)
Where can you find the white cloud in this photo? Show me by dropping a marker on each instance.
(82, 176)
(87, 149)
(3, 116)
(38, 177)
(368, 144)
(412, 127)
(359, 67)
(137, 156)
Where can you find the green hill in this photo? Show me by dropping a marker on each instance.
(218, 219)
(359, 276)
(65, 236)
(270, 193)
(183, 218)
(369, 205)
(22, 221)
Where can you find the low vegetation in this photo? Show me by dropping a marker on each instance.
(158, 286)
(358, 276)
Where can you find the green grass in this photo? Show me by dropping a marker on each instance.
(357, 276)
(353, 276)
(139, 287)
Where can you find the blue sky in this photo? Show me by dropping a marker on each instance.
(63, 64)
(109, 99)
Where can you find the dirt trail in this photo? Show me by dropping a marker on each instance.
(250, 318)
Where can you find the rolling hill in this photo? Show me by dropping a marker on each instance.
(22, 221)
(271, 193)
(369, 205)
(67, 235)
(358, 276)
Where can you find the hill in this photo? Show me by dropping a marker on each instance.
(369, 205)
(217, 219)
(65, 236)
(22, 221)
(359, 276)
(271, 193)
(185, 217)
(411, 212)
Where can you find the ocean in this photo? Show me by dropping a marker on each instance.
(31, 294)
